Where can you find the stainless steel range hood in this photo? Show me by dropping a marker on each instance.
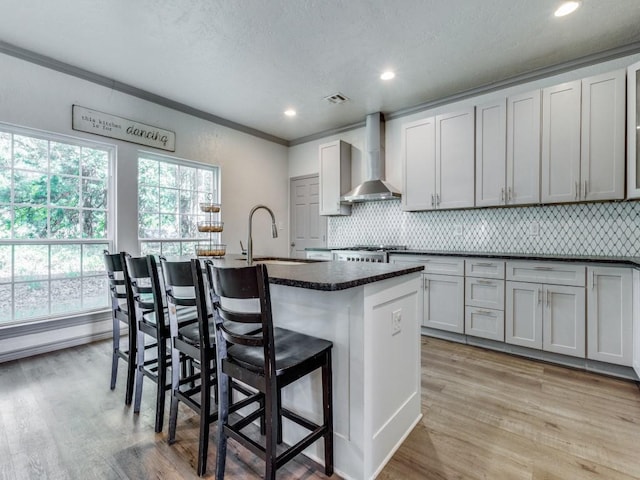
(374, 187)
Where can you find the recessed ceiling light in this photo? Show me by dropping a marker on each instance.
(290, 113)
(388, 75)
(566, 8)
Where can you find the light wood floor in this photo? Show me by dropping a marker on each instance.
(486, 416)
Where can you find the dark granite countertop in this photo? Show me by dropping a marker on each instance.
(632, 261)
(327, 276)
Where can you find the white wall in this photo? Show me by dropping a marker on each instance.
(252, 170)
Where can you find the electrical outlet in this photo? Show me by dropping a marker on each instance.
(457, 230)
(396, 322)
(534, 229)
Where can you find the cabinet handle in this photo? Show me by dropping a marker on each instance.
(539, 295)
(546, 269)
(585, 190)
(548, 298)
(426, 283)
(593, 279)
(479, 264)
(485, 282)
(577, 190)
(509, 193)
(433, 200)
(502, 197)
(485, 312)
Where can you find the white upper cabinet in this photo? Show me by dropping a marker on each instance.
(561, 143)
(523, 149)
(439, 162)
(491, 149)
(335, 177)
(633, 131)
(419, 164)
(603, 122)
(455, 159)
(583, 139)
(508, 151)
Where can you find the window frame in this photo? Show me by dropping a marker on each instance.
(216, 196)
(55, 318)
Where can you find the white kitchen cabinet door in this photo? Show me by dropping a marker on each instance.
(335, 177)
(561, 143)
(633, 131)
(636, 321)
(563, 324)
(491, 149)
(419, 168)
(523, 314)
(609, 315)
(603, 137)
(484, 323)
(484, 293)
(455, 165)
(443, 302)
(523, 148)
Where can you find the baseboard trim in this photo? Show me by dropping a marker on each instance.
(53, 346)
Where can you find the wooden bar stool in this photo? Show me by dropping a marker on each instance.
(192, 343)
(122, 309)
(152, 321)
(267, 361)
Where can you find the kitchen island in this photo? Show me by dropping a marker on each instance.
(370, 313)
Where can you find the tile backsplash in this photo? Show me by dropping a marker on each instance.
(597, 229)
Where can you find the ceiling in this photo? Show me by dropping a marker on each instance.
(247, 61)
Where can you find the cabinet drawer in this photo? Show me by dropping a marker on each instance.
(478, 267)
(442, 265)
(547, 272)
(484, 322)
(484, 293)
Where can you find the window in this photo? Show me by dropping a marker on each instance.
(54, 224)
(169, 193)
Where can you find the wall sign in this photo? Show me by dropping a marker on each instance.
(100, 123)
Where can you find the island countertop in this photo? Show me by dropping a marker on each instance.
(327, 276)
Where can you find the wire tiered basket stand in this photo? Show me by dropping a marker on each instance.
(213, 226)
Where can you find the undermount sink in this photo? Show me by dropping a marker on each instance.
(278, 261)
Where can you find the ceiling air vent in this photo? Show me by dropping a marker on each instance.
(337, 98)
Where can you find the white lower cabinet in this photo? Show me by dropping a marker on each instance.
(547, 317)
(443, 302)
(609, 315)
(442, 289)
(523, 319)
(563, 325)
(545, 306)
(484, 298)
(636, 321)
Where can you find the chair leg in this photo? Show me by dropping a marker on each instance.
(272, 421)
(205, 409)
(327, 413)
(116, 347)
(223, 419)
(162, 384)
(175, 384)
(131, 367)
(279, 422)
(139, 372)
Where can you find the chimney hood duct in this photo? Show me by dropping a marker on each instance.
(374, 187)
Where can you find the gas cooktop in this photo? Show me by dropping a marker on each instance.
(376, 248)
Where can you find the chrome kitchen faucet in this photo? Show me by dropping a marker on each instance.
(274, 230)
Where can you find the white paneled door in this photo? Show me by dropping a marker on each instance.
(307, 228)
